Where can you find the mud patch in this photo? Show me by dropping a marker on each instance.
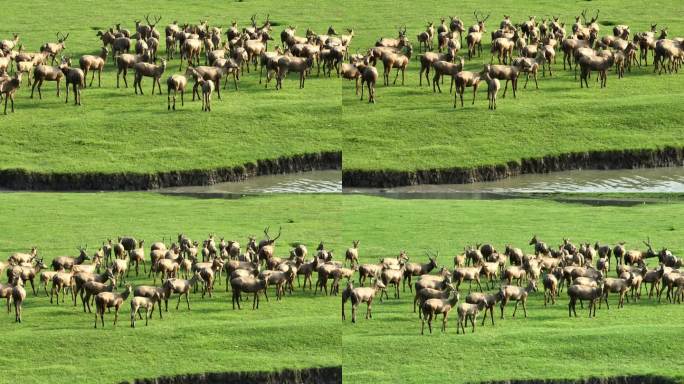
(598, 160)
(325, 375)
(20, 179)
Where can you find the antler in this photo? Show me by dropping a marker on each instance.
(597, 15)
(648, 243)
(476, 18)
(280, 230)
(584, 16)
(487, 17)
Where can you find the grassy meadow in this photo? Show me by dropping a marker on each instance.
(411, 128)
(58, 343)
(641, 339)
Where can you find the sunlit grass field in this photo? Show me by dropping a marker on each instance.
(641, 339)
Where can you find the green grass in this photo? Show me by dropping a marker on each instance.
(410, 128)
(117, 131)
(58, 343)
(639, 339)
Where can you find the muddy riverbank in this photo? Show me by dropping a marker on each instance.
(325, 375)
(596, 160)
(19, 179)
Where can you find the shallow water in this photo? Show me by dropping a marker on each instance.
(303, 182)
(663, 180)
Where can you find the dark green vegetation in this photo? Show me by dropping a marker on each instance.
(410, 128)
(59, 344)
(639, 339)
(117, 131)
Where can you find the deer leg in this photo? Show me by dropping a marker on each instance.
(475, 93)
(516, 308)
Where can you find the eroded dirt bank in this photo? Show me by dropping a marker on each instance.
(19, 179)
(620, 159)
(325, 375)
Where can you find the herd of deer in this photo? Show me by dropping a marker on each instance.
(181, 267)
(535, 43)
(513, 274)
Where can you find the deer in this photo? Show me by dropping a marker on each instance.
(60, 282)
(361, 295)
(181, 287)
(369, 75)
(137, 303)
(248, 284)
(106, 300)
(503, 48)
(9, 88)
(75, 77)
(399, 42)
(425, 38)
(293, 64)
(176, 83)
(148, 70)
(469, 274)
(504, 72)
(92, 288)
(27, 272)
(511, 292)
(127, 61)
(396, 60)
(18, 297)
(66, 262)
(419, 269)
(646, 41)
(352, 254)
(6, 292)
(213, 74)
(493, 87)
(428, 59)
(463, 80)
(6, 46)
(583, 292)
(208, 88)
(445, 68)
(54, 49)
(190, 51)
(433, 307)
(468, 311)
(599, 63)
(474, 41)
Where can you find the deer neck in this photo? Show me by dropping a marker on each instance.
(453, 299)
(125, 294)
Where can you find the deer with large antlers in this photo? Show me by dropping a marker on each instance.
(54, 49)
(480, 25)
(146, 31)
(266, 248)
